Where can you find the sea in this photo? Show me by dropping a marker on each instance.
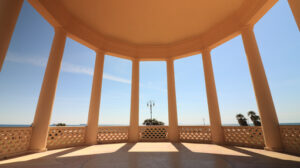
(78, 125)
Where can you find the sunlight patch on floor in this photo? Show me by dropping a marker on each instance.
(153, 147)
(272, 154)
(212, 149)
(34, 156)
(95, 149)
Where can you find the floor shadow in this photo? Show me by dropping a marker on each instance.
(260, 158)
(181, 147)
(63, 152)
(49, 156)
(126, 147)
(182, 157)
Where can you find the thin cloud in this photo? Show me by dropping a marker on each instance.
(115, 78)
(76, 69)
(36, 61)
(66, 67)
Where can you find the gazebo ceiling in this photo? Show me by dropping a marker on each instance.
(152, 29)
(151, 22)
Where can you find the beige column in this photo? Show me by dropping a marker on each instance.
(270, 125)
(134, 109)
(295, 6)
(172, 106)
(45, 104)
(92, 124)
(212, 99)
(9, 12)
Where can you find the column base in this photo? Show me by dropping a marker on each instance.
(175, 140)
(275, 149)
(133, 141)
(37, 150)
(219, 143)
(91, 143)
(133, 138)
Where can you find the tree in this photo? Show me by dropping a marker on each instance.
(149, 122)
(60, 124)
(255, 118)
(242, 120)
(153, 122)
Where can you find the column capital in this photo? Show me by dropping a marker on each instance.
(246, 28)
(170, 59)
(206, 51)
(99, 52)
(133, 59)
(59, 30)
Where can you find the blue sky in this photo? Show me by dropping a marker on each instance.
(20, 80)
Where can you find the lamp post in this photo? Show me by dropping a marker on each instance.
(151, 104)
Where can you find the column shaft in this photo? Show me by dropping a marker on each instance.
(212, 99)
(172, 106)
(262, 91)
(9, 12)
(134, 108)
(92, 124)
(295, 6)
(45, 103)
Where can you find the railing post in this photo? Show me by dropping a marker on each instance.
(47, 95)
(10, 10)
(92, 124)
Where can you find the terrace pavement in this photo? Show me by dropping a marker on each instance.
(156, 155)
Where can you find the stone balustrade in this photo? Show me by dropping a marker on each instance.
(14, 141)
(290, 137)
(153, 133)
(196, 134)
(248, 136)
(112, 134)
(60, 137)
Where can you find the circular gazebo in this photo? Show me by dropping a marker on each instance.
(149, 31)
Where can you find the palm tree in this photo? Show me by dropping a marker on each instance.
(255, 118)
(242, 120)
